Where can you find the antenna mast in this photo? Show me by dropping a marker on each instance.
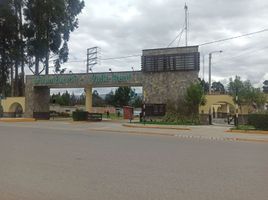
(186, 24)
(92, 58)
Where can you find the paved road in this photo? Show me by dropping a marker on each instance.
(63, 161)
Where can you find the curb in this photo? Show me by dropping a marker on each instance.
(184, 136)
(133, 132)
(247, 132)
(251, 140)
(17, 120)
(158, 127)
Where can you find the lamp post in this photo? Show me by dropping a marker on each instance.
(236, 107)
(210, 58)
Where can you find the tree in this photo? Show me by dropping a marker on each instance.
(265, 86)
(218, 87)
(18, 89)
(48, 26)
(12, 44)
(61, 99)
(97, 101)
(205, 85)
(123, 96)
(136, 102)
(82, 99)
(194, 98)
(66, 98)
(7, 43)
(73, 99)
(244, 93)
(110, 99)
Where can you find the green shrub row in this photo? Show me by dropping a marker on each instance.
(178, 119)
(259, 121)
(80, 115)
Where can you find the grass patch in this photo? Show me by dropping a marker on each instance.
(113, 116)
(166, 123)
(244, 128)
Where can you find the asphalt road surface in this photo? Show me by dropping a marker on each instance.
(57, 161)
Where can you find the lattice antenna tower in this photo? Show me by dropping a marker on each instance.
(186, 24)
(92, 58)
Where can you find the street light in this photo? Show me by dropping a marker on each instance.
(210, 57)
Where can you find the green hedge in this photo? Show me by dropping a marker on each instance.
(80, 115)
(259, 121)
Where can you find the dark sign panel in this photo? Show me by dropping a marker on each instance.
(171, 62)
(154, 109)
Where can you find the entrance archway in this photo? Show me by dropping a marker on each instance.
(165, 75)
(219, 107)
(222, 113)
(16, 110)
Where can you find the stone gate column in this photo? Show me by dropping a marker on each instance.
(88, 91)
(227, 108)
(29, 102)
(37, 102)
(41, 102)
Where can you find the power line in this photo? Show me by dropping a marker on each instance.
(76, 61)
(202, 44)
(245, 52)
(234, 37)
(179, 35)
(252, 52)
(111, 58)
(122, 57)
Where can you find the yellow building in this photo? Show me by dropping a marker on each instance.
(13, 106)
(218, 105)
(221, 106)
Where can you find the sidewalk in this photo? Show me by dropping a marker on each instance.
(203, 132)
(17, 120)
(189, 132)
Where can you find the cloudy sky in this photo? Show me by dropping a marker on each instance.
(125, 27)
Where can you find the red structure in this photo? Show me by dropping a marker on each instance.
(128, 112)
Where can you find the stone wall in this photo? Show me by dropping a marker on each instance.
(158, 87)
(164, 87)
(37, 101)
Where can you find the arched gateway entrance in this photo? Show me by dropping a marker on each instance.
(165, 75)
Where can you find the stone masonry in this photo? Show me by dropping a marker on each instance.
(159, 87)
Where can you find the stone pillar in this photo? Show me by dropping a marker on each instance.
(29, 104)
(37, 102)
(41, 102)
(88, 91)
(228, 108)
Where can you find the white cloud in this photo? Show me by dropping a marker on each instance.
(126, 27)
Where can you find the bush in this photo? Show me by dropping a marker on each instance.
(178, 119)
(259, 121)
(79, 115)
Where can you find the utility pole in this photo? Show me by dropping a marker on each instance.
(209, 73)
(209, 77)
(92, 58)
(186, 24)
(203, 67)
